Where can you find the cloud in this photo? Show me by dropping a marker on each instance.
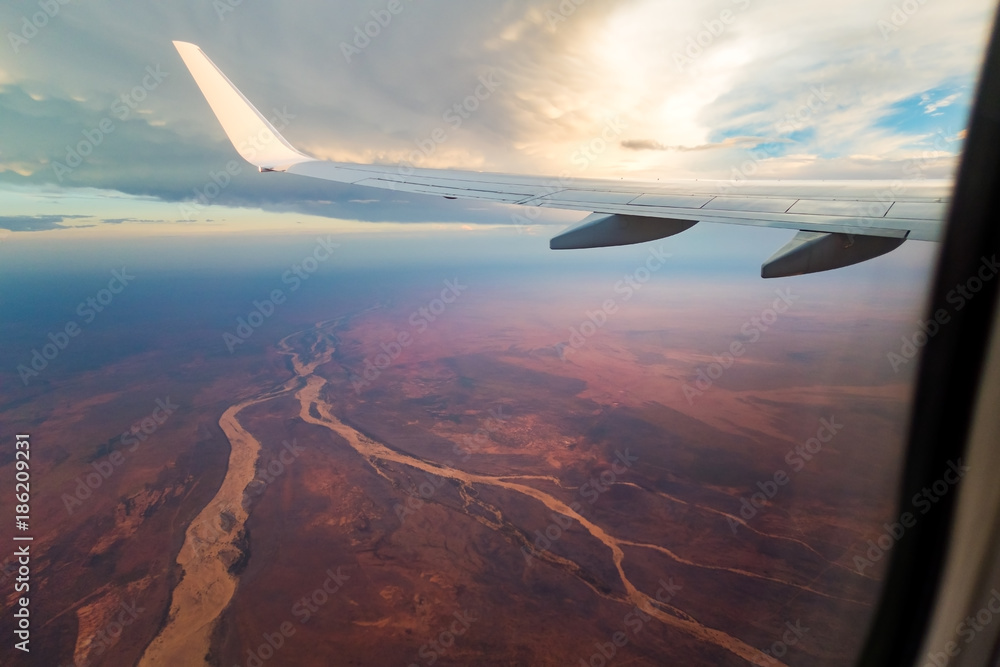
(651, 145)
(36, 223)
(776, 71)
(946, 102)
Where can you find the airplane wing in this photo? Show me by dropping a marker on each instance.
(839, 223)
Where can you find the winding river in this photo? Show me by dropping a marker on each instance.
(212, 540)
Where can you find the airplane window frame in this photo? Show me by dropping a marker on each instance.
(948, 381)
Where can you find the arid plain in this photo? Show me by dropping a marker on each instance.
(384, 478)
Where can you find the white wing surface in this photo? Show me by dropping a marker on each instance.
(839, 222)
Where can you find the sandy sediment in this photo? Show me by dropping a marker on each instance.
(207, 586)
(210, 544)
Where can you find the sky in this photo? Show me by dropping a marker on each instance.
(726, 89)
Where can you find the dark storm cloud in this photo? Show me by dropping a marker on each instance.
(83, 85)
(142, 159)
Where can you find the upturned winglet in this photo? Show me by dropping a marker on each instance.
(253, 136)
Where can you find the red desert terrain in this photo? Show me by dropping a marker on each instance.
(479, 477)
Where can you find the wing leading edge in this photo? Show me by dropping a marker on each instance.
(839, 223)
